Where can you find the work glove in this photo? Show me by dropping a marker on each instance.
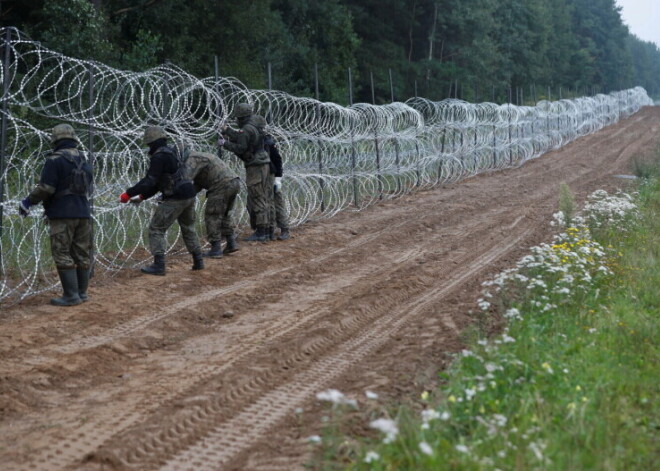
(124, 198)
(278, 184)
(24, 207)
(221, 141)
(137, 199)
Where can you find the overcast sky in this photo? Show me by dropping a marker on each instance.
(643, 18)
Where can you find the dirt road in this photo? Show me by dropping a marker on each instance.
(210, 370)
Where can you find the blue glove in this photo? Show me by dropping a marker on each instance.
(24, 207)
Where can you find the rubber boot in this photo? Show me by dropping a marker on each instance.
(216, 250)
(156, 268)
(198, 261)
(83, 283)
(69, 281)
(232, 246)
(284, 234)
(260, 235)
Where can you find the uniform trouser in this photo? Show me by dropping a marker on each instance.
(279, 216)
(71, 242)
(218, 215)
(259, 195)
(168, 211)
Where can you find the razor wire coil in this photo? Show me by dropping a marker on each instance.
(336, 157)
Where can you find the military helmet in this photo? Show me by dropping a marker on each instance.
(242, 110)
(62, 131)
(153, 133)
(259, 122)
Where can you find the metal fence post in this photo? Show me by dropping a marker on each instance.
(92, 159)
(3, 129)
(320, 151)
(353, 156)
(380, 177)
(396, 142)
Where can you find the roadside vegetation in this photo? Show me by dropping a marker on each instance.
(568, 382)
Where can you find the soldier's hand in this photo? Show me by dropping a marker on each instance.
(24, 207)
(278, 184)
(221, 141)
(137, 199)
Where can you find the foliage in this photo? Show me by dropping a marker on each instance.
(475, 49)
(568, 384)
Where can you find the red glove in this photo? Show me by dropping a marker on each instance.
(124, 198)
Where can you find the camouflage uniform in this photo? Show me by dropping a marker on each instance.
(67, 209)
(247, 144)
(222, 185)
(167, 174)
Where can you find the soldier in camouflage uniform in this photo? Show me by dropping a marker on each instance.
(222, 185)
(64, 187)
(279, 216)
(248, 145)
(166, 174)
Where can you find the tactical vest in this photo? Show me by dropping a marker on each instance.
(170, 184)
(79, 181)
(256, 154)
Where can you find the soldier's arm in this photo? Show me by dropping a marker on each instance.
(47, 183)
(276, 158)
(238, 145)
(148, 186)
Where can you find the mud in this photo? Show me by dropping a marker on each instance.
(218, 369)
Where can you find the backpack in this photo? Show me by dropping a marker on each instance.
(174, 183)
(78, 182)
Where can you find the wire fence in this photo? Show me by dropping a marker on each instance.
(336, 157)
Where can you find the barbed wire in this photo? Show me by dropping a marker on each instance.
(336, 157)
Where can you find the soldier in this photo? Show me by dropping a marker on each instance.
(64, 188)
(279, 215)
(166, 174)
(222, 185)
(248, 145)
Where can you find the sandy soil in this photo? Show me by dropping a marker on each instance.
(210, 370)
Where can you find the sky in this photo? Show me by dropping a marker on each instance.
(642, 18)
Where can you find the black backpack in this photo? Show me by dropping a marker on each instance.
(78, 181)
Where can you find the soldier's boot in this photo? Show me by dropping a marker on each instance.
(271, 234)
(216, 250)
(232, 246)
(260, 235)
(284, 234)
(69, 281)
(83, 283)
(156, 268)
(198, 261)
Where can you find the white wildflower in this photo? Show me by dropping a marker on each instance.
(386, 426)
(426, 448)
(314, 439)
(462, 448)
(336, 397)
(371, 456)
(371, 395)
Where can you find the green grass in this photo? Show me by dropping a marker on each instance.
(575, 390)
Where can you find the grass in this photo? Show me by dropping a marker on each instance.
(569, 384)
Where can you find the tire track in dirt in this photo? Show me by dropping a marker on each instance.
(229, 438)
(140, 413)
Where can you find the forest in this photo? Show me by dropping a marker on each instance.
(476, 50)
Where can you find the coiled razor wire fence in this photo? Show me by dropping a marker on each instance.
(336, 157)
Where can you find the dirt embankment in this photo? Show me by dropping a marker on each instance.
(209, 370)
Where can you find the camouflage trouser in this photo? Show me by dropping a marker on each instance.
(166, 213)
(259, 195)
(279, 216)
(71, 242)
(218, 214)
